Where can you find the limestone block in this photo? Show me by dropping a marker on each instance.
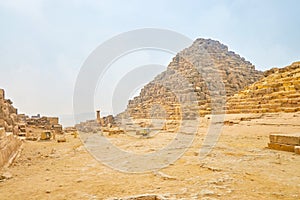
(281, 147)
(53, 120)
(289, 139)
(297, 149)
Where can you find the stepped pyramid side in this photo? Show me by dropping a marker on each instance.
(197, 66)
(278, 91)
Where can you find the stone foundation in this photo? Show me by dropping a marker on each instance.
(285, 142)
(9, 145)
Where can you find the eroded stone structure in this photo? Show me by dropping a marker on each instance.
(9, 142)
(8, 114)
(47, 123)
(13, 125)
(106, 124)
(278, 91)
(36, 125)
(190, 81)
(190, 87)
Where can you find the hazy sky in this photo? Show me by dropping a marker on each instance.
(45, 42)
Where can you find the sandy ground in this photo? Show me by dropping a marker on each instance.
(239, 167)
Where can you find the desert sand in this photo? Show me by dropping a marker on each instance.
(240, 166)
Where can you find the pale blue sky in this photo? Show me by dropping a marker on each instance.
(45, 42)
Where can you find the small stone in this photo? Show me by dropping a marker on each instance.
(7, 175)
(164, 176)
(206, 192)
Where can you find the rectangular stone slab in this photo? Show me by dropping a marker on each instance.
(289, 139)
(297, 149)
(281, 147)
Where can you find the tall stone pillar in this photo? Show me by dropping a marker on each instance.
(98, 116)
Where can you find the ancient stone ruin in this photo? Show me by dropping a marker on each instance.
(14, 126)
(9, 142)
(8, 114)
(191, 78)
(261, 109)
(189, 88)
(278, 91)
(285, 142)
(100, 124)
(197, 82)
(37, 124)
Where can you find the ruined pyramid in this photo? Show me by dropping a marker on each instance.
(193, 76)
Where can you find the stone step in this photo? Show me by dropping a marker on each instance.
(289, 139)
(281, 147)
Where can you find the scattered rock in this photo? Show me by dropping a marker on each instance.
(141, 197)
(164, 176)
(207, 192)
(61, 140)
(5, 176)
(79, 180)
